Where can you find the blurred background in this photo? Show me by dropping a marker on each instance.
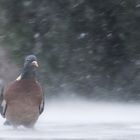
(86, 48)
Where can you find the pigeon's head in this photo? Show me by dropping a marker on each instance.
(29, 69)
(31, 61)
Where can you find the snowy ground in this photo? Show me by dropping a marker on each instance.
(82, 121)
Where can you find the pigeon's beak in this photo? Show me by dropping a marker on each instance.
(34, 63)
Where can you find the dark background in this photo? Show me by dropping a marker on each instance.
(86, 48)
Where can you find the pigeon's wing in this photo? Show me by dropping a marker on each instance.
(42, 97)
(41, 106)
(1, 99)
(3, 104)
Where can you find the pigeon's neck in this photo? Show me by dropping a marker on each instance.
(28, 73)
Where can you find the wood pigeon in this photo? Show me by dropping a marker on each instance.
(23, 100)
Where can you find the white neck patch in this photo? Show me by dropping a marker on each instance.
(18, 78)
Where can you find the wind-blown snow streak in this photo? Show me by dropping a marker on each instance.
(82, 120)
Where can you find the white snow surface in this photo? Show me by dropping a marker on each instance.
(81, 120)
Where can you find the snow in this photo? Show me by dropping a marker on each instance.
(81, 120)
